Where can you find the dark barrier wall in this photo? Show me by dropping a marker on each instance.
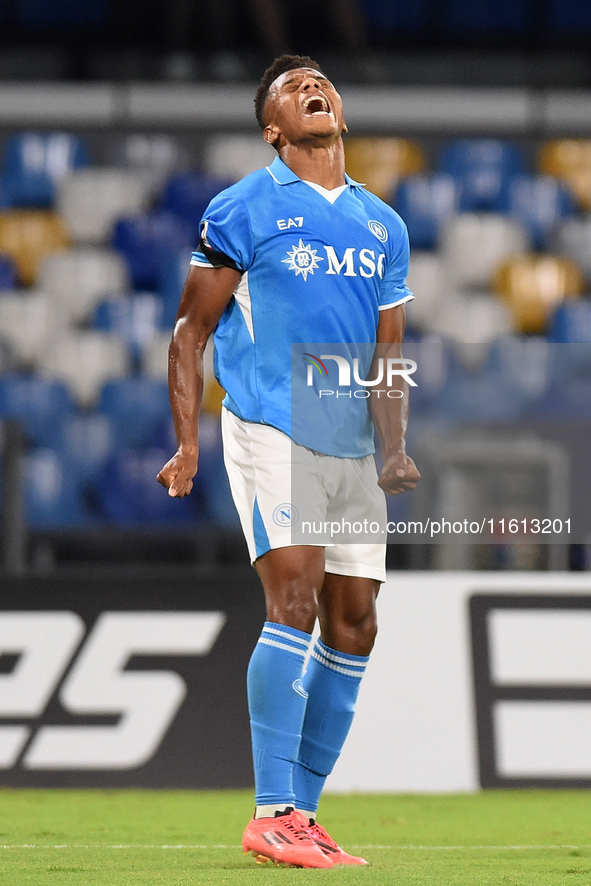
(133, 681)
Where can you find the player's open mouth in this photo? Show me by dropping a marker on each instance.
(315, 104)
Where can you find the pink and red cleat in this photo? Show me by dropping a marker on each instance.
(290, 839)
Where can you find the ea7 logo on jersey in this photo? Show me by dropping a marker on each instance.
(304, 260)
(284, 223)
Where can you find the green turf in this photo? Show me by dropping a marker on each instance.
(121, 838)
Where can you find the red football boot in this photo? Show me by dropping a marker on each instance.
(331, 848)
(285, 839)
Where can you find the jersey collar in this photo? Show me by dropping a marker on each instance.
(283, 175)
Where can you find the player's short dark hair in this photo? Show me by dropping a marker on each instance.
(280, 66)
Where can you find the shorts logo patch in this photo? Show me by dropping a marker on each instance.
(285, 515)
(378, 229)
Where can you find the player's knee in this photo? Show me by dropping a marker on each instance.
(294, 605)
(354, 636)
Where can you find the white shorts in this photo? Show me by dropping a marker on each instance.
(261, 462)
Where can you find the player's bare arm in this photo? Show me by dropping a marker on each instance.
(390, 417)
(204, 299)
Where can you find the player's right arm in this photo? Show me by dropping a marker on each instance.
(205, 298)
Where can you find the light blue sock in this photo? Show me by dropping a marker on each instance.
(332, 682)
(277, 703)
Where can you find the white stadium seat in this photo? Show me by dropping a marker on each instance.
(27, 322)
(91, 200)
(474, 318)
(85, 361)
(79, 278)
(234, 156)
(425, 280)
(473, 245)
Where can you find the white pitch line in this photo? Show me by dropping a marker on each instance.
(190, 846)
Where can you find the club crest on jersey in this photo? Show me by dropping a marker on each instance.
(302, 259)
(378, 229)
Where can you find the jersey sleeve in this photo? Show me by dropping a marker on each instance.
(394, 290)
(226, 236)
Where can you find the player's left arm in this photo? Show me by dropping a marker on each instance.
(390, 415)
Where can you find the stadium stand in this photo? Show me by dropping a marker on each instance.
(84, 342)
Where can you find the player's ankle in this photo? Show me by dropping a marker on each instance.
(273, 810)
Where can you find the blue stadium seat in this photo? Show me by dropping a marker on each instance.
(137, 406)
(571, 322)
(540, 203)
(52, 501)
(128, 493)
(483, 169)
(135, 317)
(188, 194)
(8, 274)
(85, 442)
(147, 241)
(425, 202)
(211, 484)
(37, 403)
(35, 162)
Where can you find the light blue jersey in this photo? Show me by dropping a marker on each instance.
(318, 266)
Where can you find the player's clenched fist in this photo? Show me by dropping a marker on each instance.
(399, 474)
(177, 474)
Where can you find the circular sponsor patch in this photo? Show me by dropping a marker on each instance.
(285, 515)
(378, 229)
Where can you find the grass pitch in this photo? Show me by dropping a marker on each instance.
(121, 838)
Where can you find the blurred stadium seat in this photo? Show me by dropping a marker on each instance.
(425, 202)
(28, 236)
(534, 285)
(171, 280)
(135, 317)
(35, 163)
(379, 163)
(37, 403)
(84, 442)
(92, 200)
(128, 493)
(27, 321)
(540, 203)
(188, 194)
(8, 275)
(473, 318)
(483, 168)
(571, 322)
(231, 157)
(573, 238)
(474, 244)
(148, 242)
(52, 500)
(136, 406)
(78, 278)
(570, 161)
(85, 360)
